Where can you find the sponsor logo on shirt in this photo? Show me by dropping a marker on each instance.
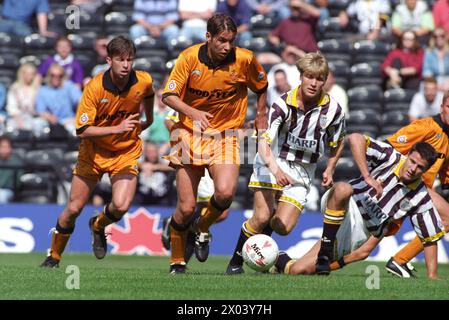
(260, 76)
(104, 100)
(302, 144)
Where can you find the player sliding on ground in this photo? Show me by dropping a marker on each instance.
(390, 188)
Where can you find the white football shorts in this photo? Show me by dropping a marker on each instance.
(295, 194)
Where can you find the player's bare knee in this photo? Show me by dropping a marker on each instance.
(223, 197)
(120, 207)
(258, 222)
(342, 191)
(73, 209)
(186, 207)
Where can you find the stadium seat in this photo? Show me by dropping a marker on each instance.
(336, 49)
(122, 5)
(118, 22)
(44, 159)
(178, 45)
(330, 28)
(363, 117)
(257, 45)
(391, 121)
(36, 60)
(366, 73)
(148, 46)
(82, 42)
(261, 26)
(368, 51)
(36, 44)
(10, 44)
(57, 19)
(398, 100)
(21, 138)
(150, 64)
(365, 98)
(345, 169)
(89, 23)
(335, 6)
(36, 188)
(366, 129)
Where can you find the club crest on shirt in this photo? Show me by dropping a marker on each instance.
(405, 205)
(233, 75)
(439, 135)
(401, 139)
(323, 121)
(84, 118)
(172, 85)
(261, 76)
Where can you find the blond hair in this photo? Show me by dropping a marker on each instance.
(314, 63)
(55, 66)
(19, 76)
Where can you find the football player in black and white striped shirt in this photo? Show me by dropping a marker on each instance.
(389, 188)
(303, 124)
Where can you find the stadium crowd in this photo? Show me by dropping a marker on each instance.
(389, 66)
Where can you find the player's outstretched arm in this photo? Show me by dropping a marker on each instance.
(261, 121)
(92, 132)
(331, 163)
(357, 143)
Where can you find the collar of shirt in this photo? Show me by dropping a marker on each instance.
(292, 98)
(437, 119)
(110, 86)
(412, 185)
(204, 58)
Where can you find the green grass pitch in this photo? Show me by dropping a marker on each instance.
(143, 277)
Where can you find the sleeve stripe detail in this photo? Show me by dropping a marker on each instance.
(167, 94)
(82, 129)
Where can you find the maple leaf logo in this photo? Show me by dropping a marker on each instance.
(140, 236)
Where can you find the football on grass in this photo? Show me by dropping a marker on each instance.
(260, 252)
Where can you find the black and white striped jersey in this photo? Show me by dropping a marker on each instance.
(398, 199)
(300, 136)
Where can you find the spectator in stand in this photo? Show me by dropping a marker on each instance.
(154, 182)
(3, 114)
(280, 86)
(97, 7)
(402, 66)
(194, 14)
(336, 92)
(299, 29)
(436, 59)
(370, 15)
(440, 14)
(21, 104)
(428, 103)
(57, 100)
(270, 8)
(98, 64)
(15, 18)
(413, 15)
(290, 56)
(158, 133)
(156, 18)
(322, 5)
(8, 177)
(241, 13)
(64, 57)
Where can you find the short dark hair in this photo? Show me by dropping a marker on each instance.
(119, 46)
(220, 22)
(426, 151)
(5, 138)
